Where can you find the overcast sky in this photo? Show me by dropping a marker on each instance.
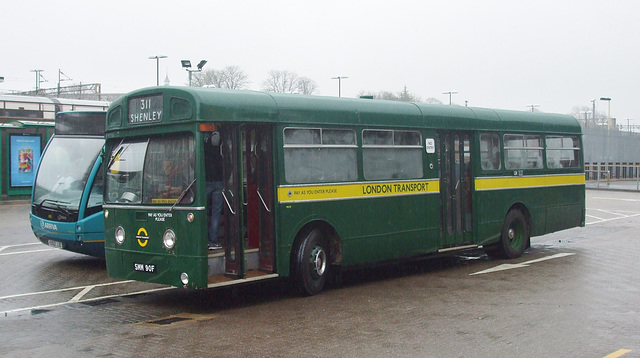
(500, 54)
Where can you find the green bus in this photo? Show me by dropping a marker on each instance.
(312, 185)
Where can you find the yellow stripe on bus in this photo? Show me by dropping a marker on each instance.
(298, 193)
(356, 190)
(528, 181)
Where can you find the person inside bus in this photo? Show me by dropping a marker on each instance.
(213, 172)
(172, 186)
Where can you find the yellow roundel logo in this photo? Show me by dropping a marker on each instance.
(143, 237)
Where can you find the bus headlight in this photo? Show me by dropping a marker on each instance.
(169, 239)
(119, 235)
(184, 278)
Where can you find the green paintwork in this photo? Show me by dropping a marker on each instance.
(369, 230)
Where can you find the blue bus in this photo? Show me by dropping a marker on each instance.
(66, 205)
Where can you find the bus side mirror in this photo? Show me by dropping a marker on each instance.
(214, 139)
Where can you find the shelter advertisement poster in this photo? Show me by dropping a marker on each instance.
(25, 155)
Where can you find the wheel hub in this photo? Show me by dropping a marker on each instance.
(318, 261)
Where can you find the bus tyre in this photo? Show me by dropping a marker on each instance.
(515, 235)
(311, 263)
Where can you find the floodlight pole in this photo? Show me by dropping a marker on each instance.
(186, 64)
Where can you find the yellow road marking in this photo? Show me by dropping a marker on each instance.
(618, 353)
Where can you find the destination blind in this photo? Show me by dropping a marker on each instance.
(145, 109)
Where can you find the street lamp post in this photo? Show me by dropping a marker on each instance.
(186, 64)
(586, 117)
(450, 93)
(593, 112)
(339, 78)
(157, 58)
(608, 99)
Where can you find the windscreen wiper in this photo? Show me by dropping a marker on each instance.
(182, 195)
(118, 152)
(39, 206)
(56, 203)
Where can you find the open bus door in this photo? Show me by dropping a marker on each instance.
(259, 164)
(247, 199)
(232, 197)
(455, 189)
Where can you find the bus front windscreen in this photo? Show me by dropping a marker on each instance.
(155, 170)
(63, 173)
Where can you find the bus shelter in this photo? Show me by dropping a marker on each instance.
(21, 144)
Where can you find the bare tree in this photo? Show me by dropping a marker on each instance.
(432, 100)
(231, 77)
(585, 115)
(202, 79)
(281, 82)
(307, 86)
(405, 96)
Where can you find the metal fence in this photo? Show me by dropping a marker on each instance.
(607, 173)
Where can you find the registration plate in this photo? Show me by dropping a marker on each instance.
(54, 243)
(144, 268)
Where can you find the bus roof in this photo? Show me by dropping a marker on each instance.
(212, 104)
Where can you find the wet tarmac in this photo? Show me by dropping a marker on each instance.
(575, 293)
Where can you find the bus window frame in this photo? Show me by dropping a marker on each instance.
(349, 176)
(500, 152)
(575, 151)
(524, 149)
(420, 146)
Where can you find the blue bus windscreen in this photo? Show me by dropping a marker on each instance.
(68, 190)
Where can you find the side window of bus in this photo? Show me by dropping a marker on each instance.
(562, 152)
(389, 154)
(490, 151)
(320, 155)
(522, 151)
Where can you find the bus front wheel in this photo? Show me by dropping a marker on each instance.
(311, 263)
(515, 235)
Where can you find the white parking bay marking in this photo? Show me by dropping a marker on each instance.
(504, 267)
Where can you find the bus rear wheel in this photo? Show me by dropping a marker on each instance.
(311, 263)
(515, 235)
